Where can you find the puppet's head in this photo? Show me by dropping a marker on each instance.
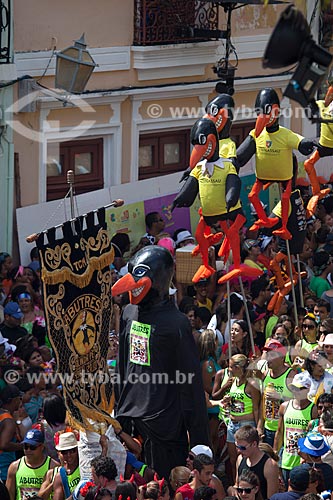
(221, 111)
(149, 275)
(267, 107)
(205, 141)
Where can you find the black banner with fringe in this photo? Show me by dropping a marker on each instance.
(76, 278)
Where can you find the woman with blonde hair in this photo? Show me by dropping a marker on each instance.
(178, 477)
(243, 403)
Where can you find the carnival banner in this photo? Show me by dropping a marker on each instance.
(77, 302)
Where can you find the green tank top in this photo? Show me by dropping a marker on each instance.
(73, 479)
(271, 405)
(308, 347)
(28, 479)
(223, 412)
(241, 403)
(295, 425)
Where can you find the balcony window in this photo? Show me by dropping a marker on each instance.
(163, 153)
(174, 21)
(85, 158)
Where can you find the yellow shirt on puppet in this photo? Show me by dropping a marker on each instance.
(274, 160)
(227, 148)
(212, 177)
(326, 129)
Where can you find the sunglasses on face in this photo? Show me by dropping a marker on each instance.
(244, 490)
(31, 447)
(308, 327)
(242, 448)
(70, 451)
(190, 456)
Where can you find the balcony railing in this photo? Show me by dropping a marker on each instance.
(159, 22)
(5, 34)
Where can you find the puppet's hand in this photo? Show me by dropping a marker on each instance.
(185, 175)
(306, 146)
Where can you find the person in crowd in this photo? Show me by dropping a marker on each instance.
(4, 493)
(240, 341)
(183, 238)
(34, 407)
(207, 344)
(298, 483)
(155, 225)
(274, 319)
(11, 327)
(121, 244)
(6, 265)
(205, 493)
(243, 403)
(178, 477)
(316, 484)
(237, 310)
(327, 346)
(10, 401)
(309, 340)
(250, 254)
(260, 293)
(191, 311)
(315, 376)
(104, 472)
(251, 458)
(322, 267)
(248, 486)
(267, 251)
(68, 476)
(294, 418)
(54, 420)
(324, 404)
(25, 475)
(98, 493)
(32, 314)
(155, 490)
(201, 449)
(201, 298)
(128, 490)
(276, 380)
(311, 448)
(203, 468)
(322, 310)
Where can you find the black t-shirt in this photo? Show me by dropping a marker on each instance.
(12, 334)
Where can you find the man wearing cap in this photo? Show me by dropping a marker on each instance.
(267, 244)
(184, 238)
(10, 401)
(68, 476)
(260, 293)
(25, 476)
(297, 484)
(202, 472)
(294, 418)
(276, 381)
(311, 448)
(202, 449)
(11, 328)
(250, 254)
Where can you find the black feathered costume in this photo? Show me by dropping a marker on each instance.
(160, 388)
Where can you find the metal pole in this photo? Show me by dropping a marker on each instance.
(292, 283)
(300, 281)
(247, 316)
(229, 315)
(70, 181)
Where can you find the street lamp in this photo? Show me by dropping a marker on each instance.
(74, 67)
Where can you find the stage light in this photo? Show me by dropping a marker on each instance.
(290, 43)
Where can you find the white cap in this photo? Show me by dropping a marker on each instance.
(183, 236)
(202, 448)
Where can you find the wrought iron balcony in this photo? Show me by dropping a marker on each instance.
(159, 22)
(5, 31)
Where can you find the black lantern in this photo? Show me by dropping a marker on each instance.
(74, 67)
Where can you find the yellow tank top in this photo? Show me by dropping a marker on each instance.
(29, 479)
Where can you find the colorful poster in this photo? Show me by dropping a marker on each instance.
(128, 219)
(179, 218)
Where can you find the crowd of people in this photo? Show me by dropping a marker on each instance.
(267, 377)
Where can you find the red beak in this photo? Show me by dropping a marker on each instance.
(329, 96)
(203, 151)
(137, 289)
(264, 120)
(220, 119)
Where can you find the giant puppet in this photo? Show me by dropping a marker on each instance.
(325, 147)
(160, 388)
(273, 146)
(214, 176)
